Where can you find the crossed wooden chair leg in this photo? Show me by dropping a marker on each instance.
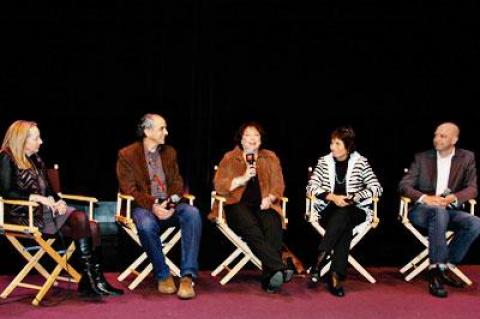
(33, 262)
(169, 238)
(242, 250)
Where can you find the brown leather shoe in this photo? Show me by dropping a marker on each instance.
(167, 286)
(185, 289)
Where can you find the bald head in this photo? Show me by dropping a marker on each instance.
(446, 136)
(452, 128)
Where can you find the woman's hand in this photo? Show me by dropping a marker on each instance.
(267, 202)
(47, 201)
(242, 180)
(339, 200)
(60, 207)
(250, 172)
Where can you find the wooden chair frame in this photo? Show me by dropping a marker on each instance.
(242, 252)
(43, 246)
(420, 262)
(169, 238)
(359, 233)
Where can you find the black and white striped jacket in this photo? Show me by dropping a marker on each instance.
(361, 182)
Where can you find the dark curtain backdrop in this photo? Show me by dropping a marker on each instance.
(87, 70)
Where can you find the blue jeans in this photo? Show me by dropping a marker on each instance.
(149, 228)
(437, 221)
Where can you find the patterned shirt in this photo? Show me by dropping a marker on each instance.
(157, 174)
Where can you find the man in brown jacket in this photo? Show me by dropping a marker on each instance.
(148, 171)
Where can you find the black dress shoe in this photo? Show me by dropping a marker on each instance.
(335, 285)
(316, 269)
(274, 282)
(435, 285)
(448, 279)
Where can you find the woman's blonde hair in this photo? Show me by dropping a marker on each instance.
(14, 142)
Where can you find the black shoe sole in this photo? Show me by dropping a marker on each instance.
(438, 294)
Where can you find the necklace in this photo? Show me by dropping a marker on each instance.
(342, 181)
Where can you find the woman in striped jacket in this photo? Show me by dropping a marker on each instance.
(343, 184)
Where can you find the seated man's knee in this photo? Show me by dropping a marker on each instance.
(436, 213)
(474, 224)
(144, 220)
(191, 212)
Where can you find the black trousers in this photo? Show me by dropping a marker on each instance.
(262, 231)
(339, 223)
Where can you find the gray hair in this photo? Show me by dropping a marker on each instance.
(145, 122)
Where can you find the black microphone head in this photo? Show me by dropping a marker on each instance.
(446, 192)
(250, 157)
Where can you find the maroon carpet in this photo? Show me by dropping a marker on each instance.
(390, 297)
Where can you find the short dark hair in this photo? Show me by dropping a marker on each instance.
(347, 135)
(243, 127)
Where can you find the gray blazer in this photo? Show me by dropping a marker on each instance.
(422, 176)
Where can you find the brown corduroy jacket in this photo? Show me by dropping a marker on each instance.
(269, 174)
(133, 176)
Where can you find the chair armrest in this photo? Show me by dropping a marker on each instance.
(80, 198)
(121, 197)
(219, 198)
(126, 197)
(375, 220)
(190, 198)
(221, 201)
(403, 212)
(19, 202)
(309, 200)
(472, 203)
(26, 203)
(284, 201)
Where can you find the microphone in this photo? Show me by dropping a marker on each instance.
(172, 201)
(446, 192)
(250, 158)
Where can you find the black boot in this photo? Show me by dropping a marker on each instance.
(87, 287)
(317, 267)
(435, 285)
(335, 285)
(448, 279)
(100, 280)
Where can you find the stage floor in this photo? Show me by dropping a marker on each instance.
(391, 297)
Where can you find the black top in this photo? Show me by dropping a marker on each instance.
(252, 196)
(340, 179)
(16, 183)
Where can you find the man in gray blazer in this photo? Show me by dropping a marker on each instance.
(440, 181)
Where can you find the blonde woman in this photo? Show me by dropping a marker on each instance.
(23, 176)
